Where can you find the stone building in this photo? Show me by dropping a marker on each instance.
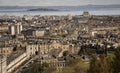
(54, 63)
(12, 29)
(6, 50)
(15, 29)
(3, 65)
(32, 49)
(86, 14)
(38, 33)
(47, 49)
(4, 27)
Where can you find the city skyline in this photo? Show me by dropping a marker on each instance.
(56, 2)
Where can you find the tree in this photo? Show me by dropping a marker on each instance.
(116, 62)
(75, 66)
(104, 64)
(110, 62)
(81, 67)
(100, 64)
(82, 52)
(15, 48)
(65, 70)
(37, 68)
(74, 62)
(94, 65)
(65, 53)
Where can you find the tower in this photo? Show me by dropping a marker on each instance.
(15, 29)
(12, 30)
(18, 28)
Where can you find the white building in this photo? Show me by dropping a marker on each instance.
(86, 14)
(15, 29)
(38, 33)
(12, 30)
(93, 33)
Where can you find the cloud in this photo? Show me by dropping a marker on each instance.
(56, 2)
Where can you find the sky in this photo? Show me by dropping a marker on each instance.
(56, 2)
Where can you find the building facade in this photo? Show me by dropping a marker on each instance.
(3, 65)
(15, 29)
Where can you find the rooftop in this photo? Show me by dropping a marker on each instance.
(14, 55)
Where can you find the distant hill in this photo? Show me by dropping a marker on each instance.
(60, 8)
(42, 9)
